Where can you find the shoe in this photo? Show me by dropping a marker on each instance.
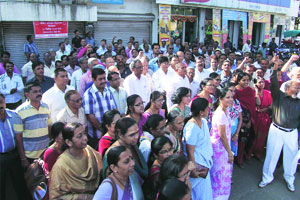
(290, 187)
(262, 184)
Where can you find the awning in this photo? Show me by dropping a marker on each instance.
(292, 33)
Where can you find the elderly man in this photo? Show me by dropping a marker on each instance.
(200, 71)
(11, 86)
(73, 112)
(44, 81)
(283, 132)
(76, 76)
(49, 66)
(87, 77)
(137, 83)
(96, 101)
(10, 165)
(295, 76)
(194, 85)
(54, 97)
(179, 80)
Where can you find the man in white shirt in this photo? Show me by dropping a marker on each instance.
(68, 46)
(163, 76)
(187, 59)
(49, 67)
(11, 86)
(102, 49)
(55, 96)
(119, 93)
(180, 55)
(200, 72)
(27, 72)
(76, 76)
(246, 47)
(194, 84)
(179, 80)
(137, 83)
(62, 51)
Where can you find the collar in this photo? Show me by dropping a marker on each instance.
(14, 74)
(8, 113)
(95, 90)
(57, 89)
(69, 111)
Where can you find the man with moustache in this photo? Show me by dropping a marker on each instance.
(33, 124)
(10, 165)
(96, 101)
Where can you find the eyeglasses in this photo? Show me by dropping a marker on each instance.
(77, 101)
(166, 151)
(160, 100)
(139, 104)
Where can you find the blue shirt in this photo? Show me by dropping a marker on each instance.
(7, 134)
(90, 41)
(153, 65)
(46, 84)
(30, 48)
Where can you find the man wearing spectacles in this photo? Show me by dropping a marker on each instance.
(73, 112)
(200, 71)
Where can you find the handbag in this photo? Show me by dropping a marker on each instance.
(203, 171)
(36, 179)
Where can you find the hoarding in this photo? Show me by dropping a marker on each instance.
(50, 29)
(164, 23)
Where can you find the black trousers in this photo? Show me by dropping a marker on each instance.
(10, 167)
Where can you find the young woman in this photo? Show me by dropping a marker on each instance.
(181, 99)
(246, 96)
(198, 149)
(155, 104)
(235, 113)
(109, 121)
(126, 133)
(154, 127)
(135, 110)
(76, 173)
(175, 123)
(119, 184)
(217, 80)
(54, 151)
(220, 138)
(207, 88)
(263, 118)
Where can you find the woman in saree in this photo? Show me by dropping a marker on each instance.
(119, 184)
(126, 133)
(263, 118)
(76, 173)
(155, 104)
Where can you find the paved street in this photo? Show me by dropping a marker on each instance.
(246, 181)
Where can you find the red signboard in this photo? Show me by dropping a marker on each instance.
(50, 29)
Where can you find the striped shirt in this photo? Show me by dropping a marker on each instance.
(94, 102)
(33, 124)
(7, 133)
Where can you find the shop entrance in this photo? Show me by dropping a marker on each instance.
(258, 33)
(279, 32)
(190, 31)
(235, 32)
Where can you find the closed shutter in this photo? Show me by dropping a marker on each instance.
(123, 30)
(15, 37)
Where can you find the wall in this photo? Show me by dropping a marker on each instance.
(46, 12)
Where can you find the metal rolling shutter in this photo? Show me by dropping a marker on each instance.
(15, 37)
(123, 30)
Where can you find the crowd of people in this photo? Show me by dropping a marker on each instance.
(146, 121)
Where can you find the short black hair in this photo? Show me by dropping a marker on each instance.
(57, 70)
(5, 53)
(28, 37)
(9, 62)
(60, 43)
(163, 59)
(96, 72)
(35, 64)
(76, 31)
(110, 74)
(28, 86)
(63, 56)
(155, 44)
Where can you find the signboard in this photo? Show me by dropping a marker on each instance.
(109, 1)
(164, 23)
(217, 25)
(261, 18)
(276, 6)
(50, 29)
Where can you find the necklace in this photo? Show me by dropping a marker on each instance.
(118, 180)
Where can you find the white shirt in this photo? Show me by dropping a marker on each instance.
(195, 87)
(7, 84)
(67, 116)
(120, 99)
(163, 49)
(49, 71)
(199, 76)
(75, 79)
(148, 54)
(161, 80)
(59, 54)
(191, 64)
(101, 51)
(55, 99)
(27, 71)
(141, 87)
(68, 48)
(177, 82)
(246, 48)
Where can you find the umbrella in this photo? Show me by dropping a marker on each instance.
(291, 33)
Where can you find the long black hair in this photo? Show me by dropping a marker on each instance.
(153, 97)
(179, 94)
(222, 94)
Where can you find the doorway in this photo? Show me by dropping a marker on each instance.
(235, 32)
(258, 33)
(279, 32)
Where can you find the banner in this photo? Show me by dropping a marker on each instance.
(217, 25)
(164, 23)
(50, 29)
(261, 18)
